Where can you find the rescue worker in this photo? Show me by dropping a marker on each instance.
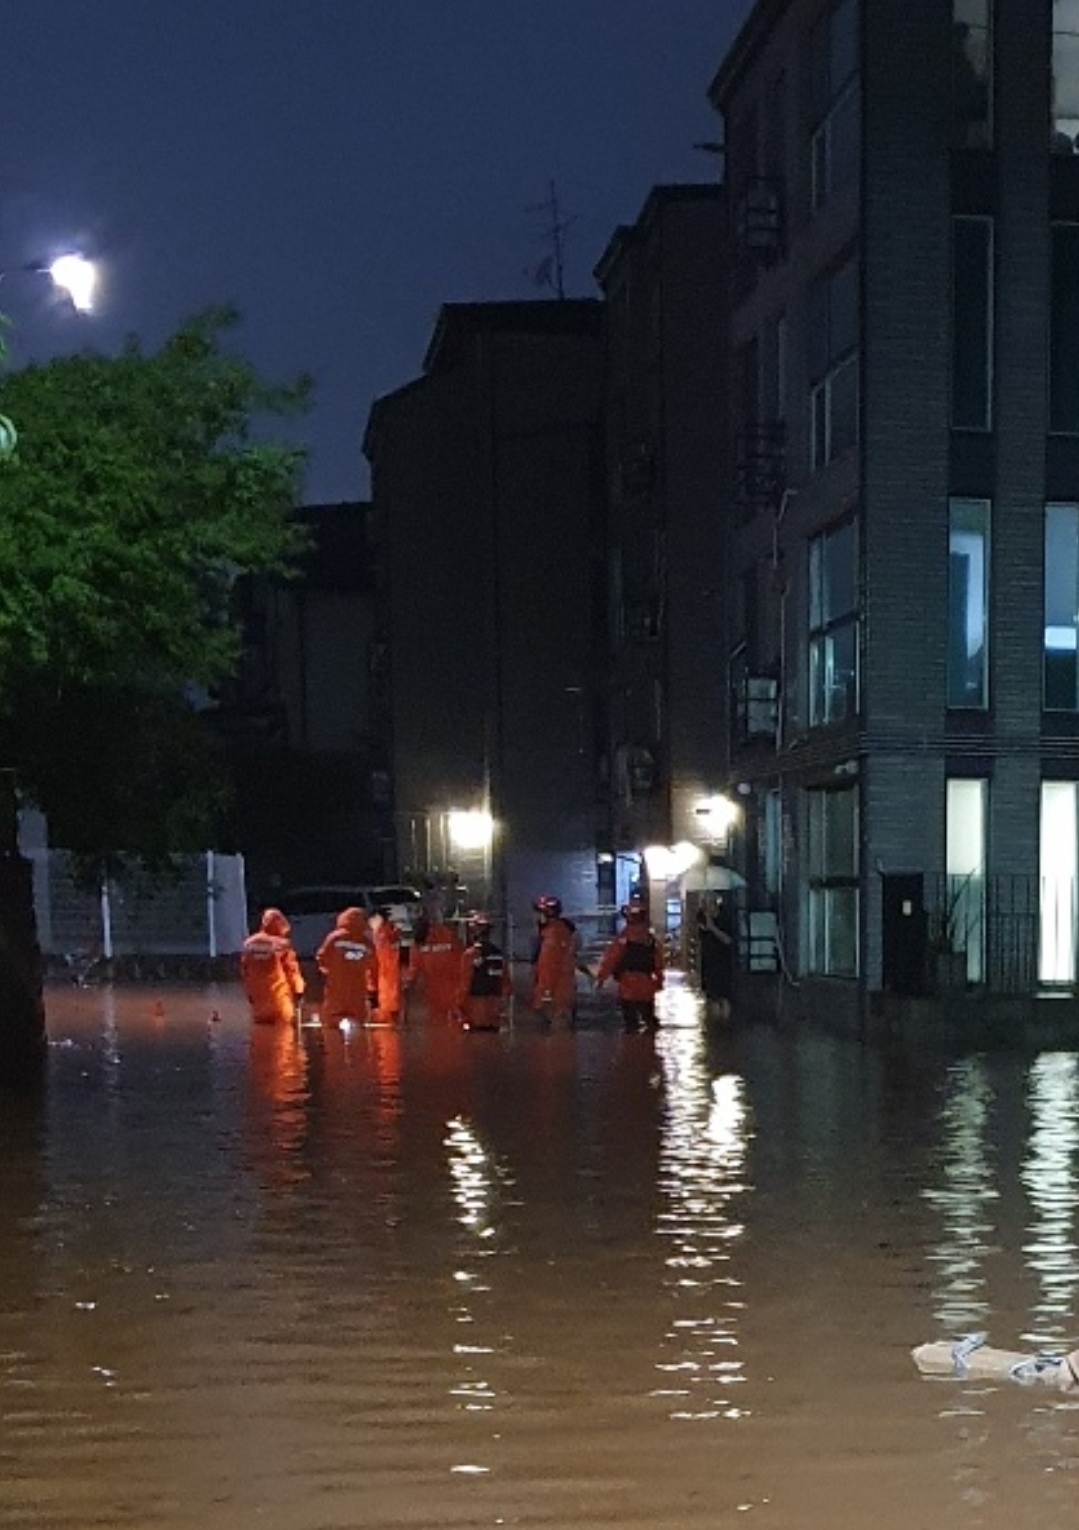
(270, 971)
(634, 959)
(554, 962)
(387, 943)
(484, 983)
(346, 959)
(435, 965)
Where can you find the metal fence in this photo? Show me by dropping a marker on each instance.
(1008, 934)
(197, 907)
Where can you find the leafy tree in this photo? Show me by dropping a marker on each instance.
(137, 495)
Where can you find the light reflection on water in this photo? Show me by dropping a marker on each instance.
(702, 1162)
(286, 1278)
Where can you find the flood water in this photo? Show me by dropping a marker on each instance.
(286, 1279)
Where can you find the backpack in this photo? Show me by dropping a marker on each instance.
(636, 956)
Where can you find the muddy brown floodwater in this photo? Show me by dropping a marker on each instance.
(286, 1279)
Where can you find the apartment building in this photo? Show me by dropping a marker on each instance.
(663, 279)
(487, 488)
(904, 574)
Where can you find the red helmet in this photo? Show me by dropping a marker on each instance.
(548, 905)
(273, 922)
(478, 920)
(634, 910)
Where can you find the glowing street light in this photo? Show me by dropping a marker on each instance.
(472, 830)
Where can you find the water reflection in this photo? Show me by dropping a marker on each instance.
(475, 1178)
(963, 1200)
(1048, 1174)
(704, 1145)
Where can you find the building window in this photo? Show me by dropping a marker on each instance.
(833, 363)
(1064, 124)
(962, 924)
(833, 626)
(1064, 330)
(972, 323)
(968, 603)
(1061, 601)
(836, 103)
(833, 882)
(1058, 867)
(972, 73)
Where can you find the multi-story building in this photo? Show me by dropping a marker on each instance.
(663, 278)
(904, 185)
(487, 487)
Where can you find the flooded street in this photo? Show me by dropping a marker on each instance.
(301, 1280)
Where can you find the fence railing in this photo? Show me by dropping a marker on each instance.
(1007, 934)
(197, 907)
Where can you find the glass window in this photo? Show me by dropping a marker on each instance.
(963, 915)
(972, 323)
(1064, 125)
(1061, 681)
(972, 73)
(832, 343)
(836, 103)
(968, 603)
(832, 865)
(1064, 330)
(1058, 857)
(833, 626)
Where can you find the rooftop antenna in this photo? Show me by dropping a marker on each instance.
(550, 272)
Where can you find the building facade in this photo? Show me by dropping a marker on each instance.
(904, 189)
(664, 283)
(487, 488)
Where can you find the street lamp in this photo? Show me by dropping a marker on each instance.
(71, 273)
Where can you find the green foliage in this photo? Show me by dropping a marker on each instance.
(137, 496)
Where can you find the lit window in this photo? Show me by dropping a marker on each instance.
(833, 626)
(968, 603)
(962, 919)
(1058, 865)
(832, 866)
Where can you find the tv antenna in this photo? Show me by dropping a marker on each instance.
(550, 271)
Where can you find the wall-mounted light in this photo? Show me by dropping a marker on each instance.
(470, 830)
(666, 862)
(717, 816)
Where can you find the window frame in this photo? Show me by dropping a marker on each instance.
(1051, 562)
(827, 886)
(824, 625)
(958, 503)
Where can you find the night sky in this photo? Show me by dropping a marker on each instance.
(335, 168)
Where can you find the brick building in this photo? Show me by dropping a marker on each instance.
(904, 189)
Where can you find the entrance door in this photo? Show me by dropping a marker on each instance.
(904, 932)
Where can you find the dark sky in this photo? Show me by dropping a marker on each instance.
(336, 168)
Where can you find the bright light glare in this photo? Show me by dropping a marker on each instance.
(665, 862)
(77, 276)
(473, 830)
(718, 815)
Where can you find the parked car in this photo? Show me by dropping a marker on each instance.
(312, 911)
